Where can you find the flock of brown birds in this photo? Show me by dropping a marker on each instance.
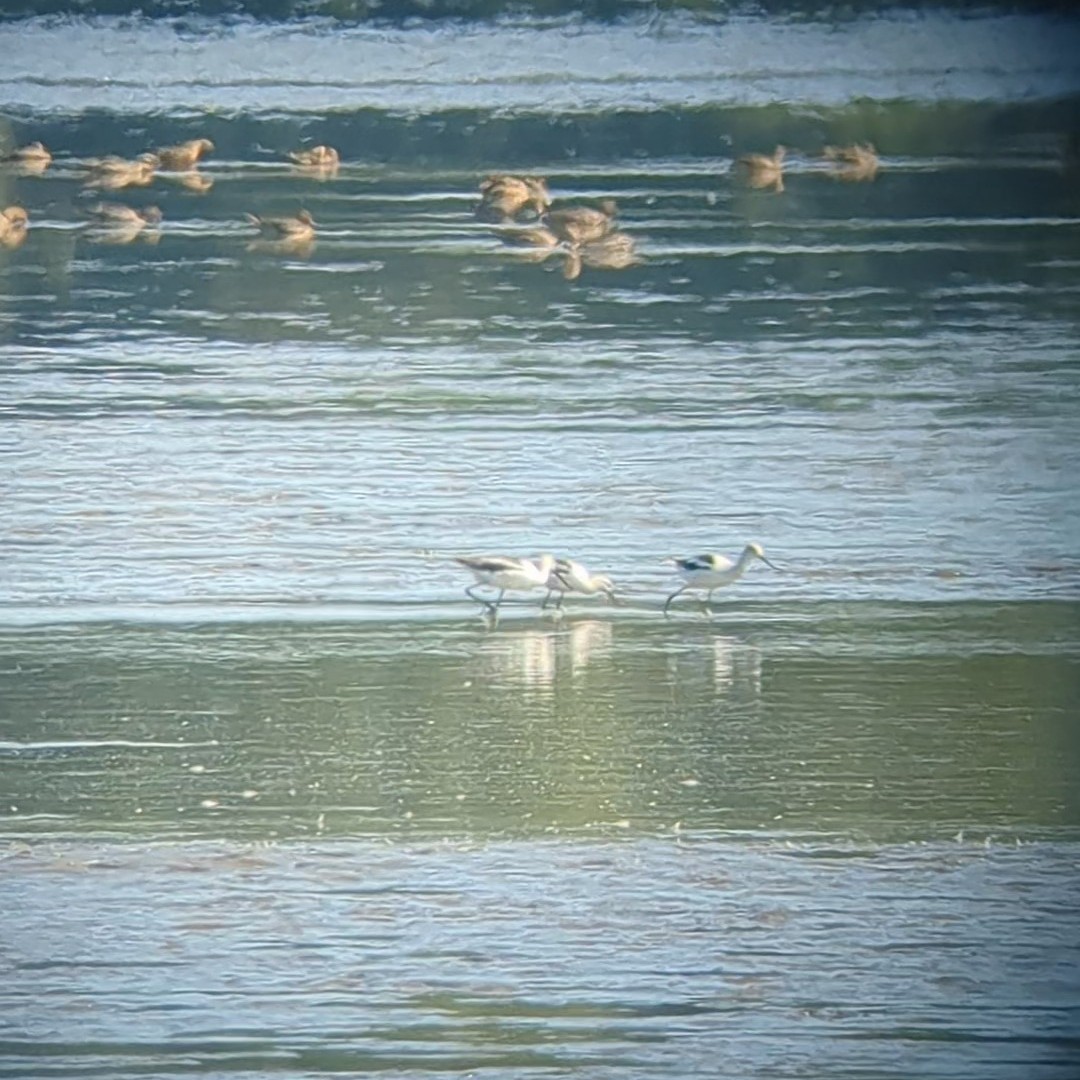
(854, 163)
(587, 236)
(584, 236)
(118, 223)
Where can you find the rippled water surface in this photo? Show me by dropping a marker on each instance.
(276, 799)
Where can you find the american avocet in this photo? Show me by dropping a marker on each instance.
(570, 576)
(711, 571)
(506, 573)
(763, 170)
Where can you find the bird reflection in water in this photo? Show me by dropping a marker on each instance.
(728, 666)
(532, 245)
(192, 180)
(534, 658)
(736, 667)
(521, 657)
(586, 641)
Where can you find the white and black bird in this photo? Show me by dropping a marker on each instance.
(712, 571)
(507, 574)
(568, 576)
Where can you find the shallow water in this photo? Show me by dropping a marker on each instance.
(646, 958)
(276, 797)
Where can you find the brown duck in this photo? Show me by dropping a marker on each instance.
(184, 155)
(581, 224)
(119, 214)
(14, 222)
(615, 251)
(30, 160)
(115, 223)
(856, 162)
(115, 173)
(503, 197)
(284, 235)
(318, 157)
(279, 228)
(762, 170)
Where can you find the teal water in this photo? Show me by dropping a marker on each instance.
(275, 798)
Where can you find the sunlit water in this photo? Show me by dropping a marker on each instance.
(277, 798)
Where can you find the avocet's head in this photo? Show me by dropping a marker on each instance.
(758, 552)
(605, 585)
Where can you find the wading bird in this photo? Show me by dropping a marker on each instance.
(570, 576)
(507, 574)
(711, 571)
